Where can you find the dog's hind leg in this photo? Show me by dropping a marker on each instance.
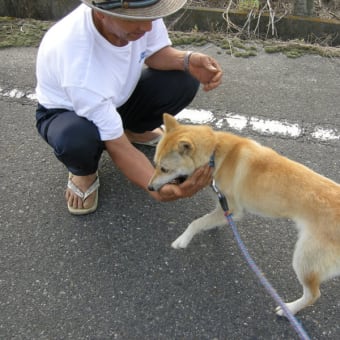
(309, 263)
(311, 293)
(214, 219)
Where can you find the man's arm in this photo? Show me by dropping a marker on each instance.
(204, 68)
(167, 58)
(138, 169)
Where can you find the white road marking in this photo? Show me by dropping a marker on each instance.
(196, 116)
(15, 93)
(235, 121)
(325, 134)
(275, 127)
(239, 122)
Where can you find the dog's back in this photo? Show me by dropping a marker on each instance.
(286, 188)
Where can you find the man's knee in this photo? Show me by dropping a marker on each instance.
(191, 84)
(76, 139)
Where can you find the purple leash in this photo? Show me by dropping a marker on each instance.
(292, 319)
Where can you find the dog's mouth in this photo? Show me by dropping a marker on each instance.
(179, 180)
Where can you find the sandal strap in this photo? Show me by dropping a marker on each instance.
(83, 195)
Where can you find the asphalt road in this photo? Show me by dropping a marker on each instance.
(113, 274)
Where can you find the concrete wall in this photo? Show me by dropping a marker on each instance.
(37, 9)
(205, 19)
(289, 27)
(304, 7)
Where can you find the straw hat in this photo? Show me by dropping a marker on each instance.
(136, 9)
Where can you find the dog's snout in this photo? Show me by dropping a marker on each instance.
(151, 188)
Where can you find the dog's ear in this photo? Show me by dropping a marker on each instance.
(184, 147)
(170, 122)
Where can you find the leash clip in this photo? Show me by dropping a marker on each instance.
(221, 197)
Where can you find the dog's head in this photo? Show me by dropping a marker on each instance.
(180, 152)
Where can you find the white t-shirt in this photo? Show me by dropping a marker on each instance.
(78, 69)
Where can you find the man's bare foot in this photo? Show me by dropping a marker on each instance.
(83, 183)
(145, 137)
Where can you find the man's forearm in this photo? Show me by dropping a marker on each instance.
(168, 58)
(131, 162)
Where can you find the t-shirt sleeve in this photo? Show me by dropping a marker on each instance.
(158, 38)
(98, 110)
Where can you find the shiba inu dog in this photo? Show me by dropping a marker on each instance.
(255, 178)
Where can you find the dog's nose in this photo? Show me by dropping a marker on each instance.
(151, 188)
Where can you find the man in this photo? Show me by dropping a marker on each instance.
(106, 73)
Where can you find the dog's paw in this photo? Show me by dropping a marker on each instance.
(180, 242)
(294, 306)
(280, 312)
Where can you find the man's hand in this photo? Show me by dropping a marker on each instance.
(201, 66)
(197, 181)
(206, 70)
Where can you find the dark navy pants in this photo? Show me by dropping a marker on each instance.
(76, 141)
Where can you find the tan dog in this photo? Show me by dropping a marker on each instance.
(257, 179)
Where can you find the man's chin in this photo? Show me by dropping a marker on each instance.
(136, 36)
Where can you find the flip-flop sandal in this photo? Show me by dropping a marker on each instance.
(83, 195)
(153, 142)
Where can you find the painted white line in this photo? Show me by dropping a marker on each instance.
(15, 93)
(196, 116)
(32, 96)
(239, 122)
(275, 127)
(235, 121)
(325, 134)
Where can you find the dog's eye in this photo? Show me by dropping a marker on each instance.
(165, 170)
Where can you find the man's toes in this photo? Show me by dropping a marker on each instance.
(89, 201)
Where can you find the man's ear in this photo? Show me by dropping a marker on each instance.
(185, 147)
(170, 122)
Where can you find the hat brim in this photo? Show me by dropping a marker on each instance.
(160, 9)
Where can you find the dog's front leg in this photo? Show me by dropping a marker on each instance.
(214, 219)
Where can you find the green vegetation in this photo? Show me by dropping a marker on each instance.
(233, 46)
(16, 32)
(238, 47)
(295, 49)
